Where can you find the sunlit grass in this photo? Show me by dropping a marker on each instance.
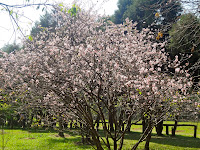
(24, 140)
(18, 139)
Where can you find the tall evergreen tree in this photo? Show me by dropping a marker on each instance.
(46, 21)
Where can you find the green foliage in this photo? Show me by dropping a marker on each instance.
(122, 8)
(143, 11)
(48, 21)
(8, 48)
(185, 39)
(73, 11)
(30, 38)
(6, 109)
(185, 35)
(11, 12)
(45, 21)
(139, 91)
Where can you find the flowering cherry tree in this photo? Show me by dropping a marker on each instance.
(97, 70)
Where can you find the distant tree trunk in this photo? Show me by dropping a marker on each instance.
(159, 128)
(144, 124)
(65, 124)
(111, 122)
(30, 120)
(97, 122)
(175, 126)
(71, 124)
(10, 122)
(121, 123)
(61, 133)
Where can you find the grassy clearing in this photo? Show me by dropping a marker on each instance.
(48, 140)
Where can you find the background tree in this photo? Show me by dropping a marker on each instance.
(185, 39)
(144, 11)
(8, 48)
(185, 36)
(46, 21)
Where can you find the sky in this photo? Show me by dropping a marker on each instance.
(27, 16)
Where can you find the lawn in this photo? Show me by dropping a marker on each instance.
(18, 139)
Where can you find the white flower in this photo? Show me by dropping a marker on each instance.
(177, 70)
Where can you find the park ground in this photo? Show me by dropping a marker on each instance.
(18, 139)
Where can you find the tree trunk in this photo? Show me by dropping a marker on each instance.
(144, 125)
(60, 132)
(175, 126)
(148, 141)
(115, 144)
(129, 125)
(121, 122)
(97, 122)
(159, 128)
(71, 124)
(121, 143)
(148, 133)
(111, 121)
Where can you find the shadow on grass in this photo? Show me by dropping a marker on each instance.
(75, 142)
(178, 140)
(71, 132)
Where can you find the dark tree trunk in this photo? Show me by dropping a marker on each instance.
(97, 122)
(159, 128)
(148, 133)
(65, 124)
(71, 124)
(148, 141)
(121, 143)
(129, 124)
(115, 144)
(10, 122)
(175, 126)
(121, 122)
(30, 120)
(60, 132)
(111, 122)
(144, 124)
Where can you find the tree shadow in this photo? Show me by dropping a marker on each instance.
(40, 131)
(75, 140)
(178, 140)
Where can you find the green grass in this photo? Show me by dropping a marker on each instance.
(48, 140)
(24, 140)
(183, 140)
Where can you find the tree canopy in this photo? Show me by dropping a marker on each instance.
(91, 69)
